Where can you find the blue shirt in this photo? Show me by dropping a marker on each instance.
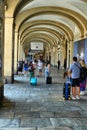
(75, 70)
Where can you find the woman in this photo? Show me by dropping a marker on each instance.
(83, 83)
(25, 68)
(47, 69)
(31, 70)
(40, 68)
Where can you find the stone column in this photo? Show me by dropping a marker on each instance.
(53, 56)
(68, 54)
(62, 54)
(1, 50)
(19, 48)
(71, 51)
(15, 52)
(8, 47)
(56, 56)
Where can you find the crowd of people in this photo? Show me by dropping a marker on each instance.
(34, 68)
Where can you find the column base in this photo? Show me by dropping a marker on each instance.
(1, 92)
(9, 79)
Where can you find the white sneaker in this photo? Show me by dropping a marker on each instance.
(77, 97)
(82, 93)
(73, 98)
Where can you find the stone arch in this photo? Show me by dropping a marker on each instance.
(53, 10)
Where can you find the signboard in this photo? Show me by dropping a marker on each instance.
(37, 46)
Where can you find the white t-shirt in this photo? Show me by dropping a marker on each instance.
(40, 65)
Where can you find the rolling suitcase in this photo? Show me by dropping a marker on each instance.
(49, 80)
(33, 81)
(66, 91)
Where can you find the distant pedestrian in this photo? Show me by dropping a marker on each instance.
(47, 69)
(31, 69)
(65, 64)
(40, 67)
(25, 68)
(34, 66)
(20, 67)
(58, 62)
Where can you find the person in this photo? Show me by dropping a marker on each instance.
(83, 83)
(20, 67)
(65, 64)
(31, 69)
(47, 69)
(67, 76)
(40, 67)
(75, 74)
(58, 62)
(25, 67)
(34, 66)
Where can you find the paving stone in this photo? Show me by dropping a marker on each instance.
(27, 114)
(35, 122)
(41, 107)
(46, 114)
(56, 128)
(18, 129)
(63, 122)
(84, 127)
(8, 114)
(5, 123)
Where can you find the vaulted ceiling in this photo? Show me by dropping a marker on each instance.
(48, 21)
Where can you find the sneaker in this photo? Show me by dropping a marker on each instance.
(73, 98)
(77, 97)
(82, 93)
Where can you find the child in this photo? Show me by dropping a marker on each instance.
(67, 76)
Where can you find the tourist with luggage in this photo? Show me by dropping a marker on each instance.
(31, 69)
(67, 85)
(47, 69)
(75, 74)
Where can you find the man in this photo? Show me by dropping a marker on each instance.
(58, 62)
(75, 74)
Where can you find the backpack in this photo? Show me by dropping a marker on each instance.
(31, 68)
(83, 74)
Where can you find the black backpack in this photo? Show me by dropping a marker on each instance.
(31, 68)
(83, 73)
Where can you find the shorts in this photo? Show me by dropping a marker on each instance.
(26, 69)
(75, 82)
(19, 69)
(40, 70)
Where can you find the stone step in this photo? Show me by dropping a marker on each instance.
(40, 128)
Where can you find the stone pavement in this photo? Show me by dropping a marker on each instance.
(41, 107)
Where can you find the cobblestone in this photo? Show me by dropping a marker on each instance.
(41, 107)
